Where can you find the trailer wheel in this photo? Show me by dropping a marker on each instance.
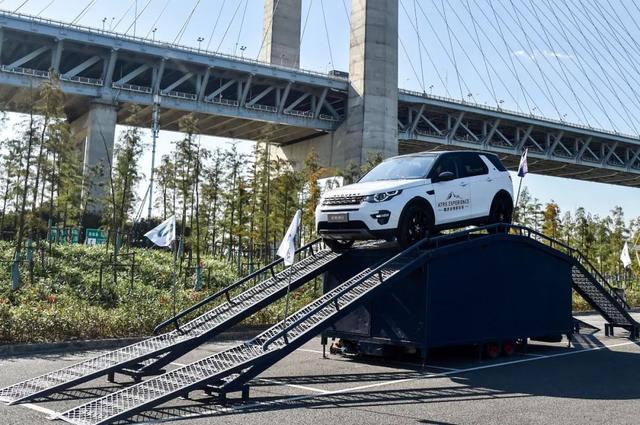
(492, 349)
(508, 348)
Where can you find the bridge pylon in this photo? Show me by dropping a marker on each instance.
(371, 122)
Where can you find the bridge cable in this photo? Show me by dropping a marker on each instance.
(433, 64)
(435, 33)
(464, 50)
(229, 25)
(83, 12)
(618, 21)
(546, 93)
(153, 26)
(215, 25)
(475, 37)
(326, 31)
(244, 13)
(511, 65)
(453, 53)
(413, 68)
(45, 8)
(186, 24)
(610, 47)
(478, 43)
(591, 51)
(577, 58)
(306, 20)
(131, 5)
(563, 69)
(268, 29)
(135, 19)
(415, 16)
(21, 5)
(624, 74)
(346, 12)
(547, 84)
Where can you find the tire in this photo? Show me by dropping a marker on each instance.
(501, 211)
(338, 245)
(416, 223)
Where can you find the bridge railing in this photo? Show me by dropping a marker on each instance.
(199, 51)
(512, 112)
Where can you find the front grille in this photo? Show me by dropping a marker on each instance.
(343, 200)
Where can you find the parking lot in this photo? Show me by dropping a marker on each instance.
(597, 380)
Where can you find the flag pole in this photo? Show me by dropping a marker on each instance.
(173, 287)
(518, 196)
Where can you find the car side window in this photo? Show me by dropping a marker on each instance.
(445, 163)
(471, 165)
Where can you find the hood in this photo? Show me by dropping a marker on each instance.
(371, 188)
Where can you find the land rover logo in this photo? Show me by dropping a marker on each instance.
(454, 202)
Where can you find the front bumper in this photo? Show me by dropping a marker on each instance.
(365, 221)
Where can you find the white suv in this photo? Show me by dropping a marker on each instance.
(410, 197)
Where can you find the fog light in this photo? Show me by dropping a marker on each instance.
(382, 216)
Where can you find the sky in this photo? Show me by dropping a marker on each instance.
(524, 55)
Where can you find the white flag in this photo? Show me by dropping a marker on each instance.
(523, 168)
(287, 247)
(625, 257)
(164, 233)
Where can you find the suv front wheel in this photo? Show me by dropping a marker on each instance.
(415, 224)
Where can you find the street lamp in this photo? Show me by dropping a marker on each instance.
(200, 40)
(242, 49)
(104, 21)
(154, 33)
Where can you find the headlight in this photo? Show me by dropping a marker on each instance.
(382, 197)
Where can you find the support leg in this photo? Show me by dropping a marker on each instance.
(111, 377)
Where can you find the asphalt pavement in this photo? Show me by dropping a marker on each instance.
(596, 380)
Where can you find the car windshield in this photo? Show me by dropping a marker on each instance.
(408, 167)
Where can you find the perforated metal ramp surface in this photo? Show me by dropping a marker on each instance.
(204, 326)
(313, 318)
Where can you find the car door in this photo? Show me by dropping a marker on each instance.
(480, 184)
(453, 201)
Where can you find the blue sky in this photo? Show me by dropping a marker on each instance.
(532, 58)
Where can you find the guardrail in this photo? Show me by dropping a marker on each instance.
(161, 44)
(516, 113)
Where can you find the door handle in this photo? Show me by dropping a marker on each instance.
(489, 179)
(463, 184)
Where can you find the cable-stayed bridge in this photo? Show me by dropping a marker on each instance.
(343, 116)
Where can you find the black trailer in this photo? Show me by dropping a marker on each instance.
(488, 291)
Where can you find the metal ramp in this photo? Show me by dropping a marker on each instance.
(229, 370)
(147, 357)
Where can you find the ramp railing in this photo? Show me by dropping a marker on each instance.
(308, 249)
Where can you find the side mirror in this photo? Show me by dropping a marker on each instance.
(446, 176)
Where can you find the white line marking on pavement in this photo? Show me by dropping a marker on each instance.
(306, 350)
(301, 387)
(442, 367)
(48, 412)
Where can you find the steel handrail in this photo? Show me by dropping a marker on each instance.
(225, 291)
(334, 297)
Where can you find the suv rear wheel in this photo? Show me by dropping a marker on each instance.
(501, 210)
(415, 224)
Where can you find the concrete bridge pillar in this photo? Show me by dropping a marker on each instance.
(281, 32)
(95, 133)
(371, 124)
